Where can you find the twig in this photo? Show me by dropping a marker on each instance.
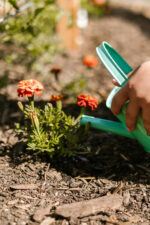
(110, 220)
(24, 186)
(47, 169)
(22, 8)
(86, 178)
(119, 187)
(127, 160)
(143, 168)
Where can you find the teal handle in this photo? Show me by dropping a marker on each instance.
(106, 125)
(114, 63)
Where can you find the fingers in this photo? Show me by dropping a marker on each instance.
(146, 118)
(118, 101)
(132, 112)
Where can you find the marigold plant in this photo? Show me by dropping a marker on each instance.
(50, 129)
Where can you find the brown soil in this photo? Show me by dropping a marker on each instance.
(112, 164)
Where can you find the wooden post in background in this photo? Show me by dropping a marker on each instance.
(67, 34)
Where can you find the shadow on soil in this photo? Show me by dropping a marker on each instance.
(107, 155)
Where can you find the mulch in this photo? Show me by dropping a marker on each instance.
(35, 189)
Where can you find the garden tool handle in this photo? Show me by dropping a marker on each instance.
(114, 63)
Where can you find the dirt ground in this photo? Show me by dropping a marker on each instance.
(32, 187)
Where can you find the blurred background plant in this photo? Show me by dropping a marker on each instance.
(95, 7)
(72, 89)
(31, 36)
(33, 31)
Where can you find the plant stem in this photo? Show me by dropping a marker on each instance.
(59, 105)
(86, 129)
(34, 118)
(56, 76)
(82, 112)
(31, 101)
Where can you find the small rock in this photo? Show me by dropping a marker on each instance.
(65, 222)
(53, 174)
(75, 184)
(12, 140)
(126, 198)
(40, 213)
(48, 221)
(89, 207)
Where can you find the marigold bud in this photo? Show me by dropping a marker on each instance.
(56, 98)
(20, 106)
(35, 120)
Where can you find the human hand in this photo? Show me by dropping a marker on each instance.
(137, 91)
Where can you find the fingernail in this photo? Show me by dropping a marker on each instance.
(113, 80)
(115, 113)
(129, 129)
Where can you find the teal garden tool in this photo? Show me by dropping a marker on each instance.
(118, 68)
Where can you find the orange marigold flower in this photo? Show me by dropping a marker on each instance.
(100, 3)
(90, 61)
(29, 87)
(55, 98)
(87, 100)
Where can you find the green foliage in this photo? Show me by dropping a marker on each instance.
(75, 87)
(33, 31)
(4, 79)
(13, 3)
(50, 130)
(92, 9)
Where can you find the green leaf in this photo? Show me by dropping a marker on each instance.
(13, 3)
(38, 11)
(4, 80)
